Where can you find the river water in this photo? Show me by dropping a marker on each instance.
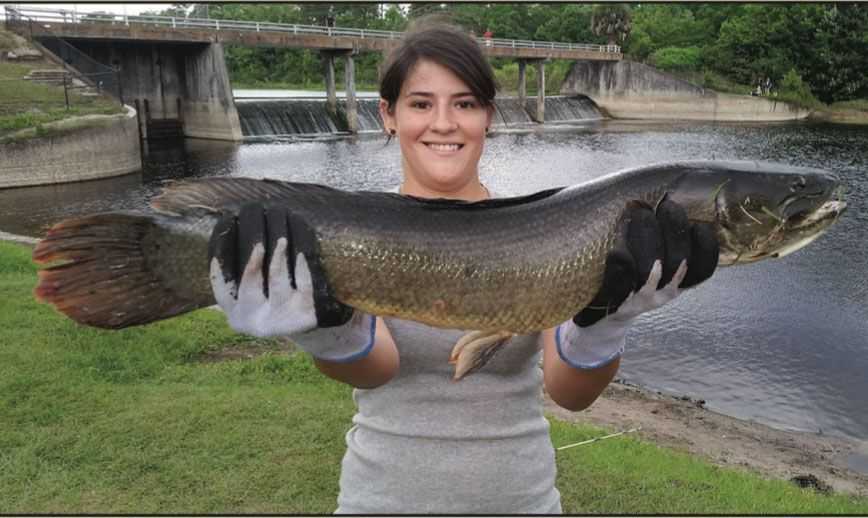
(782, 342)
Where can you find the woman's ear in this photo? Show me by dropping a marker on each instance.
(387, 116)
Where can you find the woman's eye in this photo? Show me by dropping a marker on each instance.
(466, 104)
(419, 104)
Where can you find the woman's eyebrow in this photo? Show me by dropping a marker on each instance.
(430, 94)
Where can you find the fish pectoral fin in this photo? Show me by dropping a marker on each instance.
(474, 350)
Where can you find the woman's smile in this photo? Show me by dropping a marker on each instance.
(443, 149)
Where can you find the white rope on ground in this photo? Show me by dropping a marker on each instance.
(595, 439)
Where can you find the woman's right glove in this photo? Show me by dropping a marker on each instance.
(658, 253)
(267, 277)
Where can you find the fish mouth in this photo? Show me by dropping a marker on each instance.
(827, 212)
(803, 210)
(801, 227)
(804, 227)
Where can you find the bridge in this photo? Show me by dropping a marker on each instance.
(145, 44)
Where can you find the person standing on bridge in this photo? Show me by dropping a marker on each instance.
(421, 442)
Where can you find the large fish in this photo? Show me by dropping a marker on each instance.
(512, 265)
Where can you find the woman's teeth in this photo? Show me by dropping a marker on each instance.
(445, 147)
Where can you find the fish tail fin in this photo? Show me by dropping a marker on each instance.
(98, 272)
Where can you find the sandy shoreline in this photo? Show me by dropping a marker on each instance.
(686, 425)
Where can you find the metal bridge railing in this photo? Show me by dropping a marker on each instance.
(49, 16)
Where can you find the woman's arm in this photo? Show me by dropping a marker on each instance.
(378, 367)
(571, 388)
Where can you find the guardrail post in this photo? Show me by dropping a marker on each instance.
(257, 26)
(217, 24)
(66, 90)
(173, 23)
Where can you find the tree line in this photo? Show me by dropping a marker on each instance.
(810, 51)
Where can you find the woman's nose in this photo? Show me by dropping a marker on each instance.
(444, 120)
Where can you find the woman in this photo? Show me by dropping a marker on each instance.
(421, 443)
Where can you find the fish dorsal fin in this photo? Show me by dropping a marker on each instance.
(227, 194)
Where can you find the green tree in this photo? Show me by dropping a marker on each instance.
(677, 59)
(394, 19)
(612, 21)
(563, 22)
(792, 88)
(754, 44)
(835, 65)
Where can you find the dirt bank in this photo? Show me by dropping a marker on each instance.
(685, 425)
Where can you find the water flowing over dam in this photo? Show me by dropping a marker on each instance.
(268, 117)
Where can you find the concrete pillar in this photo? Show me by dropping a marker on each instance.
(352, 108)
(541, 91)
(209, 107)
(331, 91)
(522, 82)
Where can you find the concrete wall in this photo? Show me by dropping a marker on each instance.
(629, 90)
(192, 76)
(208, 110)
(107, 146)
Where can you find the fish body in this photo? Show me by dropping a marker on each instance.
(513, 265)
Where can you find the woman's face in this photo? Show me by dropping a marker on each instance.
(441, 128)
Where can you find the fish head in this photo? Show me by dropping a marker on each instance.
(761, 210)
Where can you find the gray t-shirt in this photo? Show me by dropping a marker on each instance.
(423, 443)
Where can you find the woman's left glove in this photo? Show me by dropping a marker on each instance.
(267, 277)
(657, 254)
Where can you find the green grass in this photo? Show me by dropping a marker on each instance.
(24, 104)
(625, 475)
(858, 104)
(7, 41)
(130, 422)
(713, 81)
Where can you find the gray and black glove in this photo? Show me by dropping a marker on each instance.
(658, 253)
(267, 277)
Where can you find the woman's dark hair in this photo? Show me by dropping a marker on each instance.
(447, 46)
